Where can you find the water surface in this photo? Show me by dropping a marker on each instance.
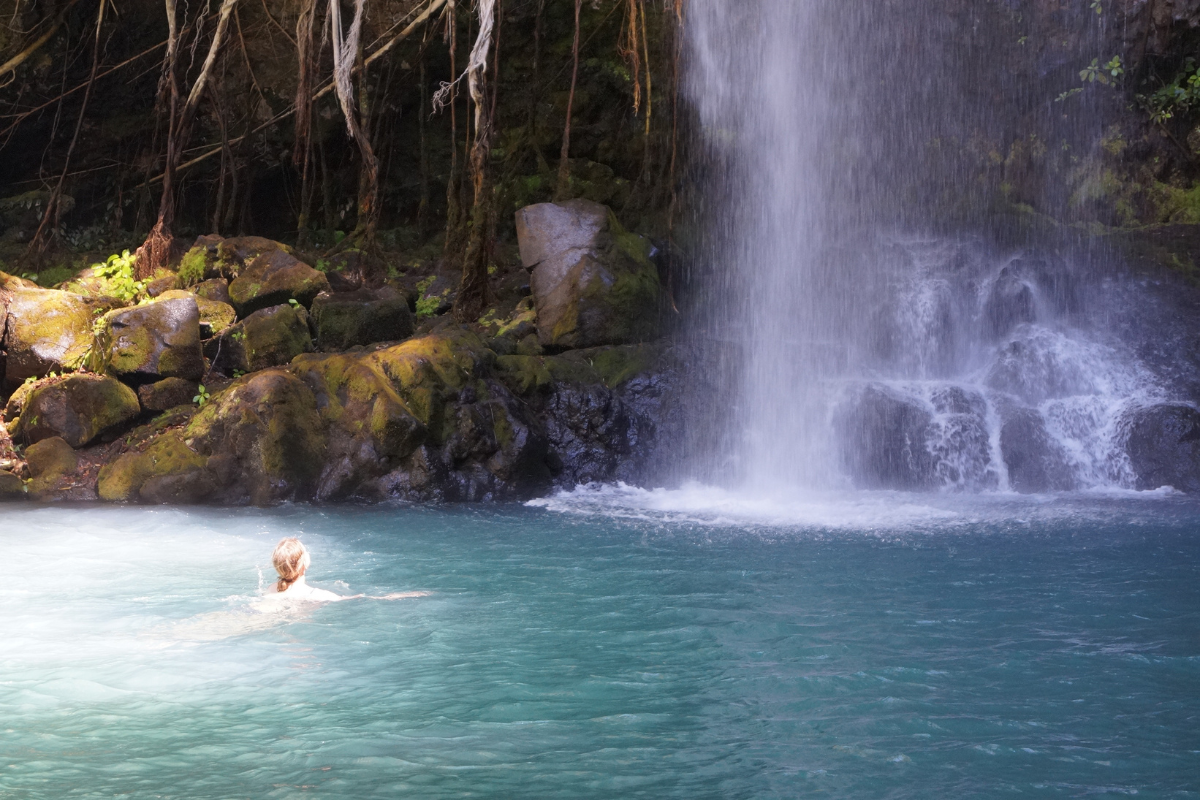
(610, 643)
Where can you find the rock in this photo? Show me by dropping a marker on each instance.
(884, 441)
(47, 331)
(153, 341)
(1009, 304)
(362, 317)
(77, 407)
(274, 278)
(260, 441)
(1036, 463)
(50, 461)
(162, 283)
(11, 487)
(216, 290)
(276, 335)
(215, 316)
(593, 283)
(959, 439)
(167, 393)
(1163, 445)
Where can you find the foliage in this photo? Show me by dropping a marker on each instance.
(117, 272)
(1180, 95)
(202, 396)
(192, 267)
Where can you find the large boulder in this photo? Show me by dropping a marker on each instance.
(51, 462)
(1163, 445)
(153, 341)
(46, 331)
(274, 336)
(260, 441)
(78, 407)
(884, 440)
(274, 278)
(349, 319)
(1036, 462)
(215, 315)
(593, 282)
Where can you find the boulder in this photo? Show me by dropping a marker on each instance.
(593, 283)
(167, 393)
(260, 441)
(959, 439)
(274, 336)
(274, 278)
(1163, 445)
(363, 317)
(884, 440)
(46, 331)
(1036, 462)
(11, 487)
(1009, 304)
(216, 290)
(153, 341)
(50, 461)
(77, 407)
(215, 316)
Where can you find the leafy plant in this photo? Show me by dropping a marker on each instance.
(293, 302)
(1105, 74)
(238, 336)
(202, 396)
(117, 272)
(428, 305)
(1182, 94)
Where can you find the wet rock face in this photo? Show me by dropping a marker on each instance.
(154, 341)
(46, 331)
(1163, 446)
(1009, 304)
(351, 319)
(593, 283)
(272, 279)
(79, 408)
(1036, 462)
(884, 441)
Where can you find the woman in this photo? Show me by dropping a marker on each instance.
(291, 560)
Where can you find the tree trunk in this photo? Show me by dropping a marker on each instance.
(564, 160)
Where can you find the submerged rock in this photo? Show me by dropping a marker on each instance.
(593, 282)
(153, 341)
(884, 441)
(1036, 462)
(1163, 445)
(351, 319)
(79, 408)
(46, 331)
(274, 278)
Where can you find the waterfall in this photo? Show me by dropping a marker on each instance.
(880, 341)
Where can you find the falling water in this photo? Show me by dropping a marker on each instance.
(879, 346)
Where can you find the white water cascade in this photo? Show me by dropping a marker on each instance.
(870, 352)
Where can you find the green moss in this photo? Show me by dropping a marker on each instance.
(121, 480)
(523, 374)
(616, 365)
(193, 266)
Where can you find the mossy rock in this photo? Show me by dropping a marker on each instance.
(274, 278)
(215, 316)
(428, 370)
(11, 487)
(593, 281)
(46, 331)
(166, 459)
(49, 460)
(353, 319)
(166, 394)
(78, 408)
(276, 335)
(152, 341)
(216, 290)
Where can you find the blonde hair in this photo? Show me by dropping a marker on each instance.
(290, 559)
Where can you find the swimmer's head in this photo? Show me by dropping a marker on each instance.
(291, 559)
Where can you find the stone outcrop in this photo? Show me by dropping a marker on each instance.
(79, 408)
(46, 331)
(884, 441)
(593, 282)
(351, 319)
(274, 278)
(1036, 462)
(150, 342)
(1163, 445)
